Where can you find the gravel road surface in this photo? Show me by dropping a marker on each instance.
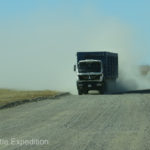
(88, 122)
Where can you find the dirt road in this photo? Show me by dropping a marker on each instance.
(91, 122)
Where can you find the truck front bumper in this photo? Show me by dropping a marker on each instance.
(89, 85)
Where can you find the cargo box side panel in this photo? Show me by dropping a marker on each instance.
(112, 66)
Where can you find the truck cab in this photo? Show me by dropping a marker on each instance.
(90, 75)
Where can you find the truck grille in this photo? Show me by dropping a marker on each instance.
(89, 77)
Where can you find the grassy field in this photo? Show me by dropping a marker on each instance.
(145, 69)
(9, 96)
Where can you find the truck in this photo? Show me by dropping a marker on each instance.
(95, 70)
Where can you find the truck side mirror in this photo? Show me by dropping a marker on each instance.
(74, 67)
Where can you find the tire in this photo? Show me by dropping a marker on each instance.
(102, 90)
(79, 92)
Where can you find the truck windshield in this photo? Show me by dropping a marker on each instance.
(84, 67)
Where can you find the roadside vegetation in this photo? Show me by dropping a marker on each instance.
(145, 70)
(8, 96)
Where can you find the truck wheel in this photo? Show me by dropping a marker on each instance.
(102, 90)
(79, 92)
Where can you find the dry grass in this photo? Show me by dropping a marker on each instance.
(8, 96)
(145, 69)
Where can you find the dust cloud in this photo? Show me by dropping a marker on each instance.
(40, 53)
(130, 76)
(115, 36)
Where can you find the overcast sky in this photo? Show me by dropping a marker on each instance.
(39, 38)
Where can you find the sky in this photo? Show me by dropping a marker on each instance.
(39, 38)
